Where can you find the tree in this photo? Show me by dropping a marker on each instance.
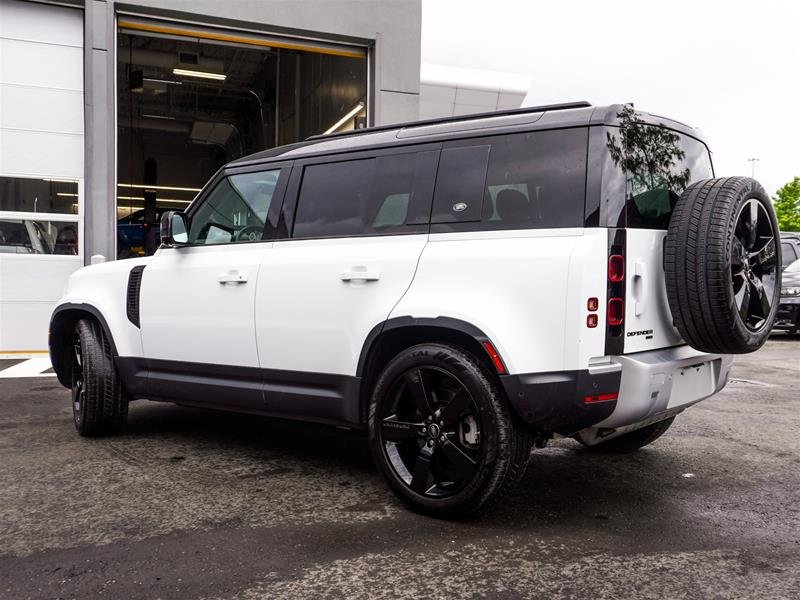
(787, 206)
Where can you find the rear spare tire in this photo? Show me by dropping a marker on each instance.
(722, 265)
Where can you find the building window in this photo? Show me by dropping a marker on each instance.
(39, 216)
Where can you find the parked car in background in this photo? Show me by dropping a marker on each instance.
(788, 318)
(790, 247)
(131, 230)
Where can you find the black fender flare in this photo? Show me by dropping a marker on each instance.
(55, 339)
(448, 323)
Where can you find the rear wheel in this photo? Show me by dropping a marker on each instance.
(99, 405)
(639, 438)
(442, 434)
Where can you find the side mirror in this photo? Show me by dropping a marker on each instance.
(174, 229)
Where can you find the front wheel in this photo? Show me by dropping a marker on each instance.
(99, 405)
(442, 434)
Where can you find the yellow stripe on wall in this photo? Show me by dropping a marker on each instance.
(223, 37)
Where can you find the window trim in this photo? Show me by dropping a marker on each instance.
(291, 197)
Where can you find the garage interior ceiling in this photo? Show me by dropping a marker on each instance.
(172, 114)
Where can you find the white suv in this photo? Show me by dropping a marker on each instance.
(462, 289)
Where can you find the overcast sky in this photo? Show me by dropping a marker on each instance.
(731, 68)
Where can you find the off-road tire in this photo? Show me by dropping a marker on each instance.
(506, 442)
(632, 441)
(698, 266)
(103, 409)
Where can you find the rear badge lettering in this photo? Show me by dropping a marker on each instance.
(648, 332)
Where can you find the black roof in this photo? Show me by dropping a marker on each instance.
(551, 116)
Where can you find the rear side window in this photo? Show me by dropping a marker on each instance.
(371, 196)
(658, 164)
(521, 181)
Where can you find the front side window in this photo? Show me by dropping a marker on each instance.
(658, 163)
(235, 210)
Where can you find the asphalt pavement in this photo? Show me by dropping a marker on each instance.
(200, 504)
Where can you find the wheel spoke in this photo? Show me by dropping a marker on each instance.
(743, 301)
(415, 381)
(765, 255)
(762, 301)
(451, 413)
(394, 430)
(752, 230)
(422, 471)
(463, 465)
(737, 252)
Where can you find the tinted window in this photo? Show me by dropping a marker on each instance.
(658, 163)
(520, 181)
(235, 210)
(460, 184)
(536, 180)
(371, 196)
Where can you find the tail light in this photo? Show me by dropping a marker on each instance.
(615, 310)
(616, 268)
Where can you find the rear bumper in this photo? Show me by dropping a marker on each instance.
(647, 384)
(661, 381)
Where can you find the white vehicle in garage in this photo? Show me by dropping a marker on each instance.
(462, 289)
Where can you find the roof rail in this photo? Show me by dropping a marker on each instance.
(496, 113)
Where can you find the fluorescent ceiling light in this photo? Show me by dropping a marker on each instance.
(142, 186)
(157, 200)
(67, 194)
(167, 81)
(200, 74)
(350, 114)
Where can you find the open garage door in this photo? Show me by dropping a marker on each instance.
(192, 98)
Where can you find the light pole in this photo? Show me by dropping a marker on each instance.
(753, 161)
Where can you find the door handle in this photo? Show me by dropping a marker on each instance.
(233, 276)
(360, 274)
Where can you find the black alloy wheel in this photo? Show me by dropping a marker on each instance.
(754, 264)
(442, 433)
(430, 431)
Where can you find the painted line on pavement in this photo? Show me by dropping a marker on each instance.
(33, 367)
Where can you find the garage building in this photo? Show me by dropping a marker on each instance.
(113, 112)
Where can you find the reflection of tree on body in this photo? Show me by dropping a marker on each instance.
(650, 156)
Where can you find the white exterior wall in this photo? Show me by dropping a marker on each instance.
(451, 91)
(41, 136)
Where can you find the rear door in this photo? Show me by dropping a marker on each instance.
(658, 165)
(359, 224)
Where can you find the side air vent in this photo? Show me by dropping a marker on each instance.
(134, 285)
